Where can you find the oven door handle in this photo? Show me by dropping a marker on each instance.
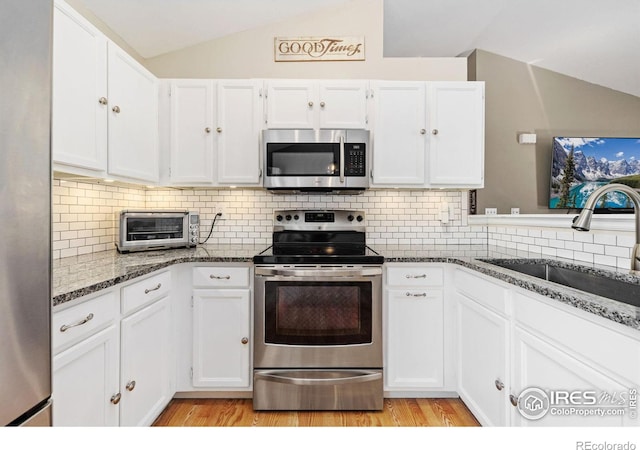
(341, 159)
(281, 377)
(316, 272)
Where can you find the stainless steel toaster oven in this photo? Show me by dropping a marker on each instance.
(156, 229)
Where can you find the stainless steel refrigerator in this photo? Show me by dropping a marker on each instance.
(25, 212)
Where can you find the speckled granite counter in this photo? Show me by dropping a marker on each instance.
(77, 276)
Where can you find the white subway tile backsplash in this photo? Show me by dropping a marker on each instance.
(83, 217)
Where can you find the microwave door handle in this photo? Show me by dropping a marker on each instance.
(341, 159)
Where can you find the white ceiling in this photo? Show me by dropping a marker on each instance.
(593, 40)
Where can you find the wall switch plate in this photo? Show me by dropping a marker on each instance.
(515, 211)
(490, 211)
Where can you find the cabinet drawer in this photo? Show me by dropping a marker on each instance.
(74, 324)
(483, 291)
(143, 292)
(414, 276)
(221, 277)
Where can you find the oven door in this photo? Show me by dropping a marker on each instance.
(318, 317)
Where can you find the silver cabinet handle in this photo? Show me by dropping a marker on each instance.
(219, 130)
(131, 385)
(146, 291)
(424, 275)
(115, 398)
(64, 328)
(216, 277)
(321, 104)
(102, 100)
(513, 399)
(423, 131)
(409, 294)
(116, 109)
(499, 385)
(310, 104)
(207, 130)
(245, 340)
(434, 131)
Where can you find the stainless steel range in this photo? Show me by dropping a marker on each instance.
(318, 315)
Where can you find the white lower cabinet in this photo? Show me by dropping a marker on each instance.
(482, 362)
(221, 347)
(145, 369)
(108, 370)
(85, 382)
(414, 328)
(221, 303)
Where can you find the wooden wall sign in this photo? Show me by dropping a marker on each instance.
(344, 48)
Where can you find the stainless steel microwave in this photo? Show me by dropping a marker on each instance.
(316, 160)
(155, 230)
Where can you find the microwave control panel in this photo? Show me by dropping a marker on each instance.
(355, 164)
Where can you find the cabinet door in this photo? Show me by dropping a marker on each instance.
(482, 356)
(343, 104)
(79, 117)
(398, 130)
(221, 342)
(415, 339)
(238, 132)
(85, 378)
(145, 381)
(537, 363)
(291, 104)
(192, 131)
(133, 118)
(456, 134)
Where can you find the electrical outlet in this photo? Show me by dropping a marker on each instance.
(515, 211)
(490, 211)
(222, 210)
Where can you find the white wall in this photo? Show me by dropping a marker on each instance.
(250, 54)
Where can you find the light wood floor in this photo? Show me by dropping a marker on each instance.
(239, 413)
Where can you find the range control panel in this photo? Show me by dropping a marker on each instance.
(291, 219)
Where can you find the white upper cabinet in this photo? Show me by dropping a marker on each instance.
(428, 134)
(398, 133)
(79, 107)
(239, 114)
(312, 104)
(133, 118)
(456, 134)
(192, 132)
(105, 105)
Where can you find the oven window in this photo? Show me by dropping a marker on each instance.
(150, 228)
(317, 313)
(302, 159)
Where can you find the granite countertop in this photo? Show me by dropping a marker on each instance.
(77, 276)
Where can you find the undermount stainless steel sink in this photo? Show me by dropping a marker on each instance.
(593, 283)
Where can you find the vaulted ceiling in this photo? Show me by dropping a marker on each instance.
(593, 40)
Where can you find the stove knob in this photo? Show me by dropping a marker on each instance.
(288, 217)
(359, 218)
(350, 218)
(296, 217)
(279, 218)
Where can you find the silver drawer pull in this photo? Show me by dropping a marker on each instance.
(131, 385)
(146, 291)
(409, 294)
(424, 275)
(115, 398)
(216, 277)
(499, 385)
(64, 328)
(513, 399)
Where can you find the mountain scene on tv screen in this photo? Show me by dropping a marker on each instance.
(581, 165)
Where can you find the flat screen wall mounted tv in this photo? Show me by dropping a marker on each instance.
(580, 165)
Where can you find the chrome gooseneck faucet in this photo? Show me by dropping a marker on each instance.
(582, 222)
